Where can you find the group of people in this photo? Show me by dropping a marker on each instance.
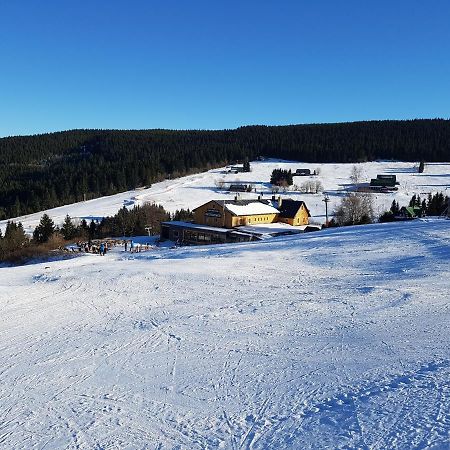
(135, 247)
(102, 247)
(99, 248)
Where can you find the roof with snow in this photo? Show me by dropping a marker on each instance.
(248, 207)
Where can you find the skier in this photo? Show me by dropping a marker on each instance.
(126, 245)
(102, 249)
(131, 246)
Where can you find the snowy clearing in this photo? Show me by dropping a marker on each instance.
(194, 190)
(337, 339)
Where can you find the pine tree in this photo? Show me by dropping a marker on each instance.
(15, 235)
(424, 206)
(44, 231)
(68, 229)
(395, 209)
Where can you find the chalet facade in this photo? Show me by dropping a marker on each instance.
(409, 213)
(233, 213)
(293, 212)
(218, 221)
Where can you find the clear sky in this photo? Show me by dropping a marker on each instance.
(220, 64)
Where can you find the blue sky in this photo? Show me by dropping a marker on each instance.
(219, 64)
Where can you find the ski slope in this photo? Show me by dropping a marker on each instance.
(337, 339)
(194, 190)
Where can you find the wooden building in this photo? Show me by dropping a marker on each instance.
(409, 213)
(185, 233)
(384, 182)
(293, 212)
(218, 221)
(240, 188)
(233, 213)
(302, 173)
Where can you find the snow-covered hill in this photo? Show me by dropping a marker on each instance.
(194, 190)
(337, 339)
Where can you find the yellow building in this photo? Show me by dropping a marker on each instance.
(234, 213)
(293, 212)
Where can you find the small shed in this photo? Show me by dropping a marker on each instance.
(240, 188)
(302, 172)
(384, 181)
(409, 213)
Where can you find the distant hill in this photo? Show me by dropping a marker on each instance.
(48, 170)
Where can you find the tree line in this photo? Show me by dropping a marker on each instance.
(15, 245)
(43, 171)
(357, 209)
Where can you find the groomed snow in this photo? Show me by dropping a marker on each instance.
(195, 190)
(337, 339)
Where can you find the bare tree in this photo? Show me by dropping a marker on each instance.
(311, 187)
(317, 187)
(355, 208)
(220, 183)
(356, 174)
(306, 187)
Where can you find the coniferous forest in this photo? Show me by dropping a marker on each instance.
(44, 171)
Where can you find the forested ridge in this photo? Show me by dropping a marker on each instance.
(48, 170)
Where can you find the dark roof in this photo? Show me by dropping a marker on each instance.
(289, 208)
(238, 187)
(387, 182)
(193, 226)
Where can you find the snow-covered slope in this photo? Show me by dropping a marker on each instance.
(194, 190)
(337, 339)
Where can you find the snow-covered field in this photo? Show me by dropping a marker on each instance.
(194, 190)
(337, 339)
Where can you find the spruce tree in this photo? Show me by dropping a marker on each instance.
(15, 235)
(44, 231)
(395, 209)
(68, 229)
